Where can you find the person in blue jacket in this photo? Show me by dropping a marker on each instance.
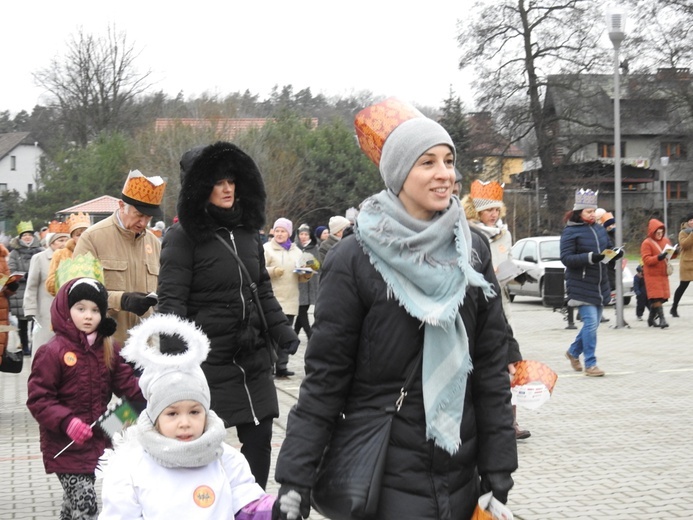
(586, 277)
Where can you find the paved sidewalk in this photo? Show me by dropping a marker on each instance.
(617, 447)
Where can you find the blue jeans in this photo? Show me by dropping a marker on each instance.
(586, 340)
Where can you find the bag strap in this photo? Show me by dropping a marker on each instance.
(253, 287)
(415, 364)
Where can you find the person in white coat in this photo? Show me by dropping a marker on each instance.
(174, 462)
(37, 300)
(282, 257)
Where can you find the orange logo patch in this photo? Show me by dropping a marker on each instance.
(70, 359)
(203, 496)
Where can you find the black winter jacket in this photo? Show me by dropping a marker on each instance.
(19, 261)
(200, 280)
(357, 359)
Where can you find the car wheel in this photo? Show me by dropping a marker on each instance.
(626, 300)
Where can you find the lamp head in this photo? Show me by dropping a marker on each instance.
(616, 24)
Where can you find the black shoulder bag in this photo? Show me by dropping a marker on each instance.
(269, 342)
(349, 477)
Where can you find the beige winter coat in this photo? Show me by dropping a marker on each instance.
(37, 300)
(685, 254)
(130, 264)
(285, 286)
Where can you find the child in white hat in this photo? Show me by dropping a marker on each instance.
(174, 462)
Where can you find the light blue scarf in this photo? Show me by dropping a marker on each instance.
(426, 266)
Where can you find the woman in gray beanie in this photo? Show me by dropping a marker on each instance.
(411, 279)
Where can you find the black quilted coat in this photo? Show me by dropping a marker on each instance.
(357, 358)
(200, 280)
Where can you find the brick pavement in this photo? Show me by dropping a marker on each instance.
(618, 447)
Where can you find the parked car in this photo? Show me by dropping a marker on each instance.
(535, 254)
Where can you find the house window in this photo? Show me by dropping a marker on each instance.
(13, 162)
(677, 190)
(675, 151)
(607, 150)
(3, 187)
(29, 188)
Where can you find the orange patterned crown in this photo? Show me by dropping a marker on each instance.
(78, 220)
(486, 195)
(57, 227)
(374, 124)
(143, 191)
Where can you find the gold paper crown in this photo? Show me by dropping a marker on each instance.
(78, 220)
(145, 191)
(81, 266)
(24, 226)
(374, 124)
(57, 227)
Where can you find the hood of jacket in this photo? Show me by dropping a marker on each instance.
(60, 316)
(201, 168)
(653, 226)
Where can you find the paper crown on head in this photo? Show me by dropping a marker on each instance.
(375, 123)
(57, 227)
(486, 195)
(78, 220)
(81, 266)
(25, 226)
(585, 199)
(145, 193)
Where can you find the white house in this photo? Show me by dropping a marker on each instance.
(20, 158)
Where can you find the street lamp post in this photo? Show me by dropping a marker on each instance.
(664, 161)
(616, 24)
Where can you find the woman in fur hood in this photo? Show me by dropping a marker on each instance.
(222, 204)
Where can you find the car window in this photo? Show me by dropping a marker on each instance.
(517, 250)
(550, 250)
(529, 253)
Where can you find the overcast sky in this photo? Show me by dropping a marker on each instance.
(391, 48)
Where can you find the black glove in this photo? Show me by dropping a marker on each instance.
(292, 503)
(596, 258)
(499, 483)
(619, 254)
(291, 347)
(661, 256)
(12, 286)
(136, 302)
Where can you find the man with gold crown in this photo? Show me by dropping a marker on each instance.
(128, 252)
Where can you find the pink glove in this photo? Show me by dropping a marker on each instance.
(79, 431)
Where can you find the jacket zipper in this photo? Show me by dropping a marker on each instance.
(245, 379)
(596, 239)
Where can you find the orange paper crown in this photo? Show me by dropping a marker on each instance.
(374, 124)
(146, 191)
(528, 371)
(57, 227)
(486, 195)
(78, 220)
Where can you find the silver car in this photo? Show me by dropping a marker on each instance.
(535, 254)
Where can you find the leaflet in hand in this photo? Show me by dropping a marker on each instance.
(8, 279)
(609, 254)
(489, 508)
(670, 250)
(507, 270)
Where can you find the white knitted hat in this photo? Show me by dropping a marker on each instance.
(168, 378)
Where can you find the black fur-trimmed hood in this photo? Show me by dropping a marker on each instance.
(201, 167)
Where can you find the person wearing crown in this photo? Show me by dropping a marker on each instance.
(24, 246)
(411, 291)
(76, 223)
(128, 252)
(485, 209)
(586, 277)
(37, 300)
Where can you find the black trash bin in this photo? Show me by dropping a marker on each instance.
(554, 287)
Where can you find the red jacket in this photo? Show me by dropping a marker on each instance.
(69, 378)
(654, 270)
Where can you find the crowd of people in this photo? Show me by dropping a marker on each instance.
(193, 324)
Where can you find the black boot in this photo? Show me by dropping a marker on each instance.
(662, 322)
(674, 312)
(651, 317)
(519, 432)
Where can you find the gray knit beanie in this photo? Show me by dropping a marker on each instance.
(405, 145)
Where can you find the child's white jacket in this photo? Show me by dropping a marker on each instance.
(135, 486)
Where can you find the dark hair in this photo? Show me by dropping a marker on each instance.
(574, 215)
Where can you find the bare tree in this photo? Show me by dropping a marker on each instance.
(513, 46)
(94, 85)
